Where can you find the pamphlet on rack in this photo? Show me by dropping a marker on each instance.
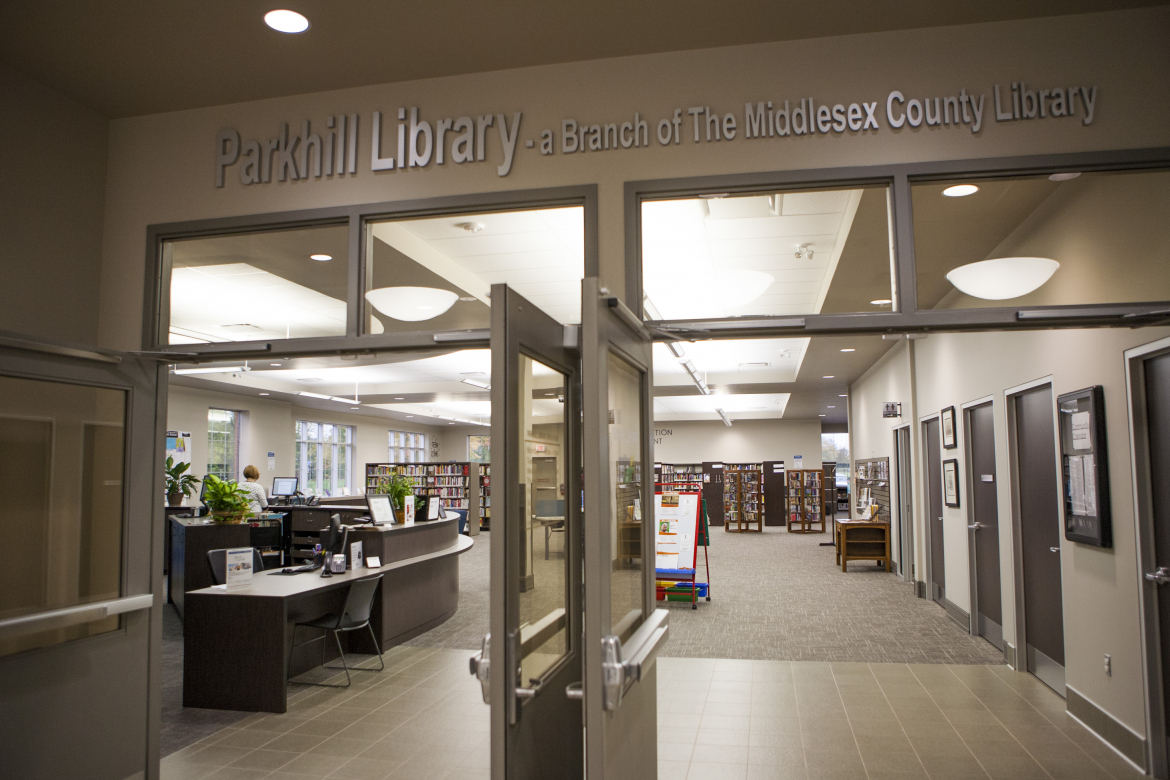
(238, 572)
(676, 520)
(355, 555)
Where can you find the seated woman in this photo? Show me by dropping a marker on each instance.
(259, 498)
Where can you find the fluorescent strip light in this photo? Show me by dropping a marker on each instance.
(209, 370)
(477, 383)
(316, 395)
(723, 414)
(343, 400)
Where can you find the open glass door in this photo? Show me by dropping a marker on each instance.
(532, 657)
(623, 630)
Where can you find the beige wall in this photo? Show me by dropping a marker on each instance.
(162, 167)
(52, 195)
(746, 441)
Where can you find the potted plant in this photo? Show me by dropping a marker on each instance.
(398, 487)
(227, 501)
(179, 483)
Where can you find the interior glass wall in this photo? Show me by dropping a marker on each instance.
(1042, 240)
(436, 273)
(794, 252)
(626, 470)
(62, 455)
(264, 285)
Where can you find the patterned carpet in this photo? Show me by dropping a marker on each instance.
(775, 596)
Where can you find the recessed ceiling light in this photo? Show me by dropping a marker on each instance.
(830, 407)
(450, 423)
(355, 407)
(264, 394)
(829, 376)
(285, 21)
(410, 415)
(960, 190)
(820, 415)
(321, 257)
(469, 299)
(881, 302)
(849, 349)
(399, 398)
(278, 365)
(1063, 176)
(843, 395)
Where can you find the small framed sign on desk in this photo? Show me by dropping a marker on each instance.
(1084, 467)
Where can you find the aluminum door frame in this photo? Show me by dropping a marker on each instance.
(520, 728)
(1157, 750)
(142, 598)
(620, 744)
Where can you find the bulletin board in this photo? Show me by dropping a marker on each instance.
(1085, 467)
(676, 519)
(179, 446)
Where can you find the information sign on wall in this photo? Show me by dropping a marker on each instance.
(1085, 467)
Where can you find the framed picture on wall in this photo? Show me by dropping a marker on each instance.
(951, 482)
(948, 428)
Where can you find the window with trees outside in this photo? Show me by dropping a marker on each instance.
(223, 444)
(479, 449)
(324, 458)
(408, 447)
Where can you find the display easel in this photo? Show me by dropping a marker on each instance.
(677, 584)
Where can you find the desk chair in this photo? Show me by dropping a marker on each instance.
(217, 560)
(354, 616)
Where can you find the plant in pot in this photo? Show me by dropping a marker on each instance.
(227, 501)
(398, 487)
(179, 483)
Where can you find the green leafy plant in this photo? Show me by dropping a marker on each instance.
(179, 483)
(227, 501)
(398, 487)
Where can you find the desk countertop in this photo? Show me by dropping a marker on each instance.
(271, 584)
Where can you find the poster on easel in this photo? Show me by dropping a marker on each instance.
(676, 520)
(179, 446)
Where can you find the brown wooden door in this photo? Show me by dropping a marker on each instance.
(934, 508)
(985, 517)
(1157, 372)
(1039, 494)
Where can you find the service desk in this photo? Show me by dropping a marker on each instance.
(191, 539)
(863, 540)
(237, 643)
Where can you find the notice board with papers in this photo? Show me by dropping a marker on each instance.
(676, 521)
(1085, 467)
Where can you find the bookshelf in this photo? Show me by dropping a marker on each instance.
(457, 484)
(485, 496)
(686, 477)
(872, 477)
(742, 499)
(806, 501)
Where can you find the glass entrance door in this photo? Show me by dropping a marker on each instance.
(532, 672)
(623, 630)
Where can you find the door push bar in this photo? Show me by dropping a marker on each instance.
(71, 616)
(621, 667)
(481, 669)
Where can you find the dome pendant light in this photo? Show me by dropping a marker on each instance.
(1004, 277)
(411, 304)
(285, 21)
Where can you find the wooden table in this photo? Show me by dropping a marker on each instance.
(863, 540)
(237, 642)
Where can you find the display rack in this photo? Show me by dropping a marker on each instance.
(742, 499)
(829, 493)
(485, 496)
(678, 477)
(872, 477)
(455, 483)
(806, 501)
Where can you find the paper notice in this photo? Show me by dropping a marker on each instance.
(1076, 484)
(1090, 480)
(1082, 440)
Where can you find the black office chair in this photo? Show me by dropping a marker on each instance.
(217, 560)
(354, 616)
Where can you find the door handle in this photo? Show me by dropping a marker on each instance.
(575, 691)
(1054, 549)
(1159, 577)
(621, 666)
(975, 526)
(481, 668)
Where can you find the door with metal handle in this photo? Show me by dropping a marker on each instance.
(1159, 577)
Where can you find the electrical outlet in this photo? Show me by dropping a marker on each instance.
(1108, 665)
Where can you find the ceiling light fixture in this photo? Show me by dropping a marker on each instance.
(321, 257)
(960, 190)
(476, 383)
(399, 398)
(411, 304)
(829, 376)
(725, 418)
(315, 395)
(821, 415)
(210, 370)
(469, 299)
(849, 349)
(881, 302)
(265, 394)
(471, 227)
(1003, 277)
(1063, 176)
(285, 21)
(343, 400)
(843, 395)
(278, 365)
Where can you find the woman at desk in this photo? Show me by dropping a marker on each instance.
(259, 499)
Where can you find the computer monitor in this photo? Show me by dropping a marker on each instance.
(381, 511)
(203, 492)
(334, 537)
(284, 486)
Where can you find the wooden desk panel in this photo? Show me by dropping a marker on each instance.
(190, 541)
(863, 540)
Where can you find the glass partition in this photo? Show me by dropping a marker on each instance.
(62, 455)
(794, 252)
(626, 471)
(436, 273)
(258, 286)
(1041, 240)
(544, 634)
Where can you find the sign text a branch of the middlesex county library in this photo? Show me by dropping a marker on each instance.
(333, 149)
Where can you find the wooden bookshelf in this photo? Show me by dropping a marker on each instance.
(872, 480)
(457, 484)
(742, 497)
(806, 508)
(485, 496)
(676, 477)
